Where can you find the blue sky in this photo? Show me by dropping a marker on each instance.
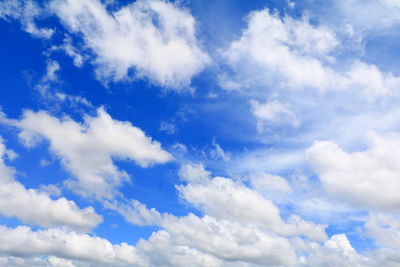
(199, 133)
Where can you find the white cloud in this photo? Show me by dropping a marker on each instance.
(44, 162)
(50, 261)
(23, 242)
(87, 150)
(337, 251)
(59, 262)
(189, 240)
(9, 154)
(371, 16)
(384, 229)
(385, 257)
(273, 113)
(225, 199)
(194, 173)
(49, 77)
(155, 39)
(179, 148)
(230, 241)
(51, 71)
(162, 251)
(47, 88)
(169, 128)
(218, 153)
(57, 247)
(6, 173)
(289, 53)
(366, 178)
(372, 81)
(70, 50)
(51, 190)
(268, 183)
(238, 225)
(26, 12)
(284, 51)
(36, 207)
(22, 262)
(135, 212)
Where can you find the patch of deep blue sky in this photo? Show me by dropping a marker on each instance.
(198, 118)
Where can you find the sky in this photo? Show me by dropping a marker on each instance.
(218, 133)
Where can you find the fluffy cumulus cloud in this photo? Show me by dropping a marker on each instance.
(285, 47)
(66, 248)
(189, 240)
(153, 39)
(247, 229)
(284, 52)
(194, 173)
(371, 81)
(360, 177)
(225, 199)
(231, 241)
(337, 251)
(163, 251)
(87, 149)
(38, 208)
(238, 225)
(65, 244)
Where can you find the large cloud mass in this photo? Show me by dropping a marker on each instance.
(154, 39)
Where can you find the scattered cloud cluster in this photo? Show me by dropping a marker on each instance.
(26, 12)
(238, 224)
(311, 97)
(240, 227)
